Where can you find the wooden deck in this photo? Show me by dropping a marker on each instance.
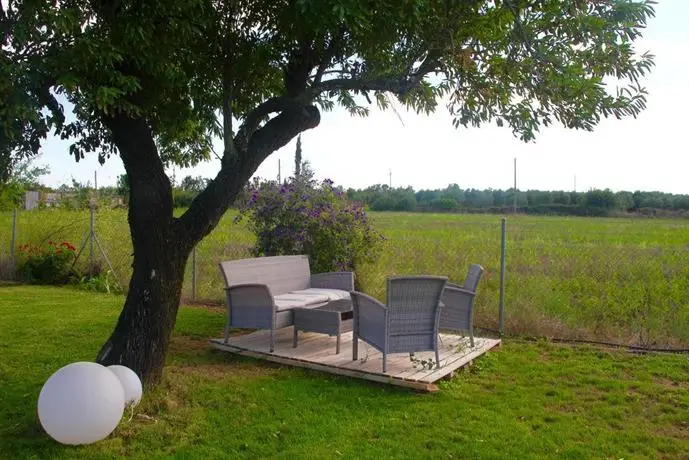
(317, 351)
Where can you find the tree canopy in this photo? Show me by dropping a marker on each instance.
(178, 63)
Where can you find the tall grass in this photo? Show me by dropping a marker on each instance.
(608, 279)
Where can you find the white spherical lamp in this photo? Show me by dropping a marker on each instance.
(130, 383)
(81, 403)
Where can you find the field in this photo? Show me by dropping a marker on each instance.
(621, 280)
(527, 400)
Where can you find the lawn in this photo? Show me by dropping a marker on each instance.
(528, 400)
(622, 280)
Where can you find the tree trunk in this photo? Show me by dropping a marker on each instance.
(140, 339)
(162, 243)
(142, 334)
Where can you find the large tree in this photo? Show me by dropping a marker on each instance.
(155, 81)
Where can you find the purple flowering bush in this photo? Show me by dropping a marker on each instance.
(303, 216)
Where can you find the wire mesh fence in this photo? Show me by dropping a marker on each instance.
(7, 223)
(620, 281)
(227, 242)
(614, 280)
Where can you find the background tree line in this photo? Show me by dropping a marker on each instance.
(381, 197)
(455, 199)
(79, 195)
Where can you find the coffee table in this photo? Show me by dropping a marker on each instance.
(332, 318)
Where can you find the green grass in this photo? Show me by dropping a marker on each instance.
(528, 400)
(623, 280)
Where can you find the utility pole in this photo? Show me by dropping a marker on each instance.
(278, 171)
(95, 187)
(514, 206)
(390, 174)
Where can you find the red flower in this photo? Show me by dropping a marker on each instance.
(67, 246)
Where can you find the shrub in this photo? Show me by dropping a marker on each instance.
(46, 265)
(303, 216)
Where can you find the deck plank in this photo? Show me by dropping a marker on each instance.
(317, 351)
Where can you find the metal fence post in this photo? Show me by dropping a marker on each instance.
(13, 245)
(193, 273)
(91, 235)
(503, 247)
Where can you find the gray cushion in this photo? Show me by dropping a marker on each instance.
(289, 301)
(331, 294)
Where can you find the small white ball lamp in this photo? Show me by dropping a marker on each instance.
(81, 403)
(130, 383)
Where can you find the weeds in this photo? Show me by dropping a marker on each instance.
(102, 282)
(423, 363)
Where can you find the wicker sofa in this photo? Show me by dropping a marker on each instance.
(262, 292)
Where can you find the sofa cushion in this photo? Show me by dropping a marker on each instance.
(293, 300)
(331, 294)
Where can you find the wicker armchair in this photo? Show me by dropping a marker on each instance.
(457, 313)
(409, 321)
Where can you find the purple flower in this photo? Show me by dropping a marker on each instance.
(310, 218)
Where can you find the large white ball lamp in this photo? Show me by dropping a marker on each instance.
(130, 383)
(81, 403)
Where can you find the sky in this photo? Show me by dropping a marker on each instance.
(650, 152)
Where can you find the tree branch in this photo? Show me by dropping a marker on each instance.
(209, 206)
(227, 98)
(254, 118)
(330, 72)
(280, 130)
(398, 85)
(328, 54)
(228, 80)
(298, 68)
(429, 64)
(48, 100)
(254, 143)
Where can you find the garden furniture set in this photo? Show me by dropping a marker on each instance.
(280, 291)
